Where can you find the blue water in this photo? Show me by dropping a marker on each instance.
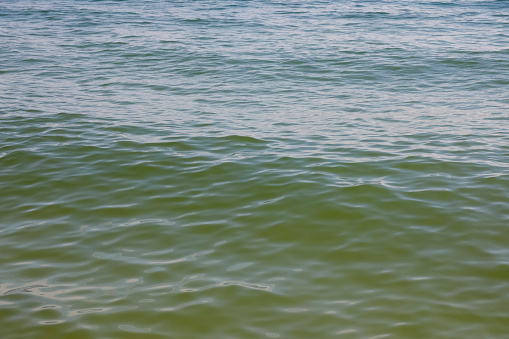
(254, 169)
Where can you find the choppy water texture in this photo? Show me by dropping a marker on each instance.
(254, 169)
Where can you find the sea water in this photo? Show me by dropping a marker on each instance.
(254, 169)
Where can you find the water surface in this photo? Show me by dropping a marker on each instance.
(254, 169)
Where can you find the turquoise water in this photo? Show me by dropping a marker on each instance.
(254, 169)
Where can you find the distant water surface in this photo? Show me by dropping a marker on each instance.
(254, 169)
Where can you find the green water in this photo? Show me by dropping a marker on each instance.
(254, 169)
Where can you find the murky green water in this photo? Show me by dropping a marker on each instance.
(254, 169)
